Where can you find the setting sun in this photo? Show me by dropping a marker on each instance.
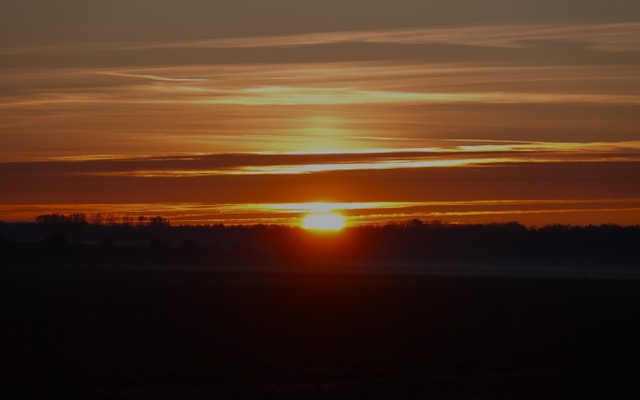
(328, 221)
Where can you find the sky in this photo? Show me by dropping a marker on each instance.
(253, 111)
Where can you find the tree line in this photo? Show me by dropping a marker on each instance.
(410, 242)
(101, 219)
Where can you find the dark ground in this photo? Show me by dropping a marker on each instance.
(157, 335)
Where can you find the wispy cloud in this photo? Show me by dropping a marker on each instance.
(450, 155)
(611, 37)
(331, 84)
(278, 95)
(605, 37)
(150, 77)
(307, 106)
(295, 96)
(306, 169)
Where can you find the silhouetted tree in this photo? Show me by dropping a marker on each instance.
(96, 219)
(53, 219)
(414, 223)
(158, 221)
(50, 219)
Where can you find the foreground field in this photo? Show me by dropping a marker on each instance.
(147, 335)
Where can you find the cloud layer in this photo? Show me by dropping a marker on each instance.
(231, 106)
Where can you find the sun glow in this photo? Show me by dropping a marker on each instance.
(326, 221)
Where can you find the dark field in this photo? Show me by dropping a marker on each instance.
(155, 335)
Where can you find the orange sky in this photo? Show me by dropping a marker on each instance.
(244, 112)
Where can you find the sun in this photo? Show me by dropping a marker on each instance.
(325, 221)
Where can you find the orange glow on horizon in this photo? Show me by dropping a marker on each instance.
(528, 211)
(326, 221)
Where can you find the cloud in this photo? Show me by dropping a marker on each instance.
(610, 37)
(308, 106)
(151, 77)
(300, 96)
(449, 154)
(322, 84)
(604, 37)
(601, 188)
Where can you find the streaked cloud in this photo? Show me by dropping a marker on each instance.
(385, 159)
(613, 37)
(604, 37)
(151, 77)
(441, 155)
(287, 96)
(307, 107)
(335, 84)
(304, 169)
